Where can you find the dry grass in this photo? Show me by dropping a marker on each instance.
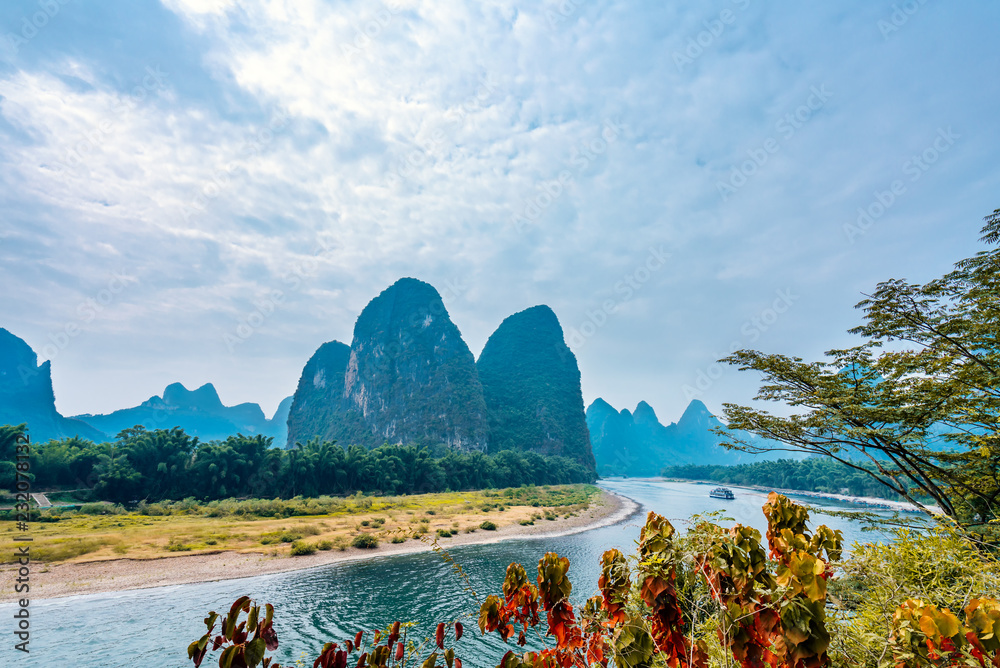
(77, 537)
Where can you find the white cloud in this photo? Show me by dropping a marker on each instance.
(416, 131)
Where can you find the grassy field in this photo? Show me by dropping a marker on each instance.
(282, 527)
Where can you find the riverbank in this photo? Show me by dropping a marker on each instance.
(112, 575)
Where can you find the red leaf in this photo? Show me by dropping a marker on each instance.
(458, 630)
(440, 636)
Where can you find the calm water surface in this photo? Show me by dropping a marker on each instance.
(153, 627)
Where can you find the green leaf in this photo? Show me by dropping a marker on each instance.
(254, 653)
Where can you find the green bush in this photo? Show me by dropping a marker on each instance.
(365, 541)
(398, 539)
(299, 548)
(444, 533)
(101, 509)
(488, 526)
(324, 545)
(526, 523)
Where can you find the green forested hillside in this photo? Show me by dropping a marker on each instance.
(531, 384)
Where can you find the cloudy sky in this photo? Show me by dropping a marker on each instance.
(207, 190)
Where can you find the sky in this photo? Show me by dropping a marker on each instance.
(207, 190)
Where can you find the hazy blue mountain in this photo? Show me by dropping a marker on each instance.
(531, 383)
(26, 394)
(408, 378)
(198, 412)
(637, 444)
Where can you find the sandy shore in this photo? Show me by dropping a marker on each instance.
(123, 574)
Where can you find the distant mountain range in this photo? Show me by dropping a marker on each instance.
(198, 412)
(637, 444)
(407, 377)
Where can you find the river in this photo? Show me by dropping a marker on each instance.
(153, 627)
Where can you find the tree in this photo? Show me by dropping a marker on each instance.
(915, 406)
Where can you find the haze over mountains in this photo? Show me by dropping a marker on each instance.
(636, 443)
(407, 377)
(26, 394)
(199, 412)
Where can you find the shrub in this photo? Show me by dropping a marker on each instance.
(365, 541)
(488, 526)
(299, 548)
(340, 542)
(101, 509)
(526, 523)
(398, 539)
(324, 545)
(444, 533)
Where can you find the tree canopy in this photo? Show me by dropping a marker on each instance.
(915, 404)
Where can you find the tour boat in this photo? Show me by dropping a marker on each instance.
(722, 493)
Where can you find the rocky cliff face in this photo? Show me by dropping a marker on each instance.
(637, 444)
(531, 384)
(26, 394)
(408, 378)
(318, 408)
(198, 412)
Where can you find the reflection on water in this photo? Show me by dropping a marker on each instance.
(153, 627)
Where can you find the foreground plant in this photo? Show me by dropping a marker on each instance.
(712, 597)
(244, 644)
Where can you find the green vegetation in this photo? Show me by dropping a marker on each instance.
(531, 384)
(814, 474)
(365, 541)
(915, 405)
(488, 526)
(168, 464)
(299, 549)
(713, 597)
(152, 530)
